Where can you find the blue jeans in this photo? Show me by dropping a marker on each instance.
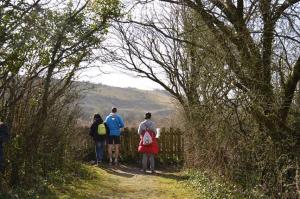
(99, 147)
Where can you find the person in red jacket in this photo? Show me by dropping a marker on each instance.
(148, 150)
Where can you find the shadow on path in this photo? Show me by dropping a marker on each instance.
(120, 170)
(172, 176)
(130, 171)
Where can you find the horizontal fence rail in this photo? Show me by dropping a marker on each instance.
(170, 144)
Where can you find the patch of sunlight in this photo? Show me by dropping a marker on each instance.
(111, 183)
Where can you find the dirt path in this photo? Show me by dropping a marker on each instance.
(128, 182)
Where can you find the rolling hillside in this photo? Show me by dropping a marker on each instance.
(131, 103)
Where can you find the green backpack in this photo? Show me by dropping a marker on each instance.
(101, 129)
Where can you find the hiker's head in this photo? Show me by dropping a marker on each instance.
(148, 115)
(98, 117)
(114, 110)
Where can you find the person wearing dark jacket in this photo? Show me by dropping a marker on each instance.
(4, 136)
(98, 137)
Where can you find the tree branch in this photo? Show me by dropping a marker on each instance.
(280, 10)
(289, 91)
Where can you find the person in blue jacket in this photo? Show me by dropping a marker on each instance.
(114, 123)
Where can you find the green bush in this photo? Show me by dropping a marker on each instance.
(211, 186)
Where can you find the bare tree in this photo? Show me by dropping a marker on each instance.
(249, 33)
(166, 49)
(252, 38)
(241, 54)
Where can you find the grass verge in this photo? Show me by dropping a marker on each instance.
(210, 186)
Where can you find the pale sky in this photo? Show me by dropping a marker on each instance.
(113, 77)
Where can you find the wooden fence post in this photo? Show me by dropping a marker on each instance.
(163, 144)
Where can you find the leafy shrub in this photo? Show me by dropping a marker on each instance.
(210, 186)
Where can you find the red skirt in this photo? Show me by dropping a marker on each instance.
(151, 148)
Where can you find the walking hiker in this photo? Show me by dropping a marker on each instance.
(148, 144)
(4, 136)
(114, 123)
(98, 132)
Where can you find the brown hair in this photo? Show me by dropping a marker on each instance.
(114, 110)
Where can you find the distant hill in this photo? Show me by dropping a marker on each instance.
(131, 103)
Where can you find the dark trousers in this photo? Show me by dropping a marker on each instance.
(1, 158)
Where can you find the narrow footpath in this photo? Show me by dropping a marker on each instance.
(127, 182)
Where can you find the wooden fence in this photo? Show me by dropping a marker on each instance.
(170, 144)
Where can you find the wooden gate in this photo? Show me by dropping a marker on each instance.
(170, 145)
